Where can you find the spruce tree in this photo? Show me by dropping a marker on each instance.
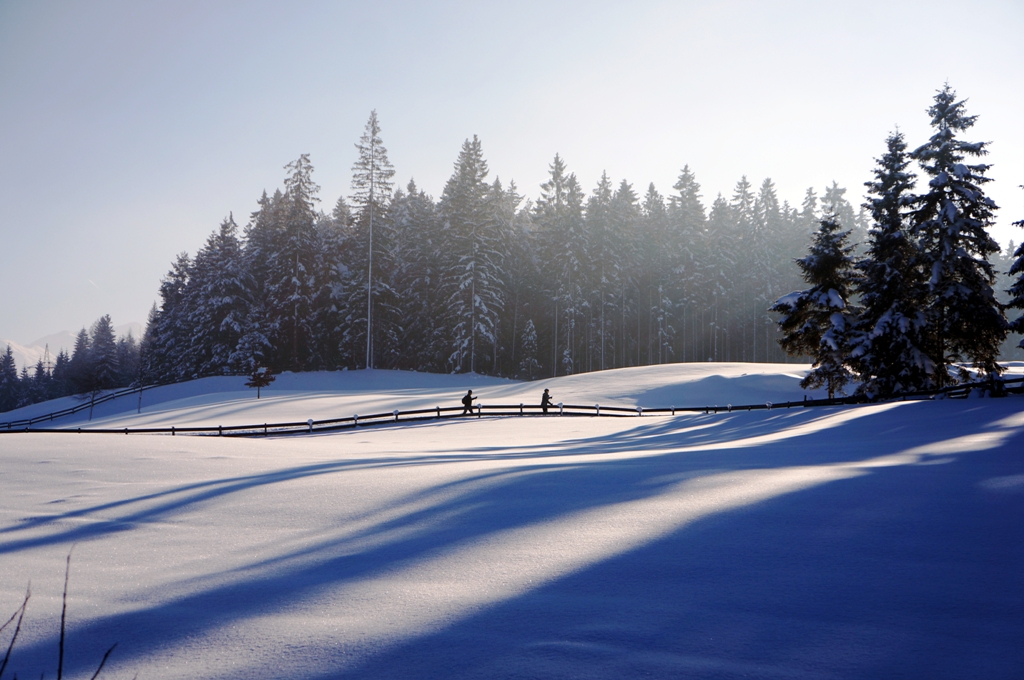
(103, 354)
(687, 220)
(371, 182)
(764, 244)
(816, 322)
(292, 269)
(128, 364)
(8, 381)
(888, 347)
(603, 253)
(472, 274)
(80, 368)
(217, 303)
(1016, 289)
(951, 221)
(169, 359)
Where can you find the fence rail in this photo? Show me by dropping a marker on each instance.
(1015, 385)
(92, 402)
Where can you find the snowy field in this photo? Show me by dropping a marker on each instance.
(858, 542)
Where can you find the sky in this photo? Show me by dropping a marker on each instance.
(130, 130)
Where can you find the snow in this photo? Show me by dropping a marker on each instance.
(880, 540)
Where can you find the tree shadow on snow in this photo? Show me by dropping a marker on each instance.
(759, 589)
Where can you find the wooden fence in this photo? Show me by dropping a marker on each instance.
(997, 388)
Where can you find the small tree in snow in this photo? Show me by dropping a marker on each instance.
(817, 322)
(260, 378)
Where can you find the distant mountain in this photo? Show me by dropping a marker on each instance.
(29, 355)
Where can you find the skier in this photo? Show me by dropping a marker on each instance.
(545, 401)
(467, 403)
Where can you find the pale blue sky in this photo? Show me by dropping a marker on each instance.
(128, 130)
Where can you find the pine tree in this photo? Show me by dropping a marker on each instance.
(371, 181)
(9, 387)
(888, 350)
(951, 222)
(60, 381)
(743, 283)
(103, 354)
(128, 363)
(1016, 289)
(817, 322)
(292, 269)
(603, 253)
(721, 245)
(765, 238)
(168, 360)
(687, 219)
(659, 257)
(625, 216)
(528, 366)
(417, 280)
(216, 301)
(80, 368)
(472, 276)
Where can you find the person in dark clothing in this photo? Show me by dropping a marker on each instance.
(545, 401)
(467, 403)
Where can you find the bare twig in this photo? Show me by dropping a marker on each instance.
(63, 617)
(96, 674)
(20, 613)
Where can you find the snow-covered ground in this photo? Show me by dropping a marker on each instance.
(876, 541)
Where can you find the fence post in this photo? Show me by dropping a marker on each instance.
(520, 408)
(438, 411)
(126, 430)
(264, 429)
(220, 430)
(310, 423)
(559, 408)
(597, 407)
(479, 410)
(355, 420)
(172, 430)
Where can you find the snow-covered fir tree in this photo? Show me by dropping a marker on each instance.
(888, 346)
(951, 221)
(103, 354)
(1016, 289)
(817, 322)
(217, 301)
(472, 277)
(9, 387)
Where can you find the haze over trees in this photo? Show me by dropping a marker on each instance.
(485, 280)
(482, 279)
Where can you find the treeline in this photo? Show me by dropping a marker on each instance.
(482, 280)
(99, 361)
(920, 307)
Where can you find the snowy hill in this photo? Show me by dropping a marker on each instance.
(877, 541)
(298, 397)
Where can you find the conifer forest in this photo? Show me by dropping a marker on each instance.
(891, 294)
